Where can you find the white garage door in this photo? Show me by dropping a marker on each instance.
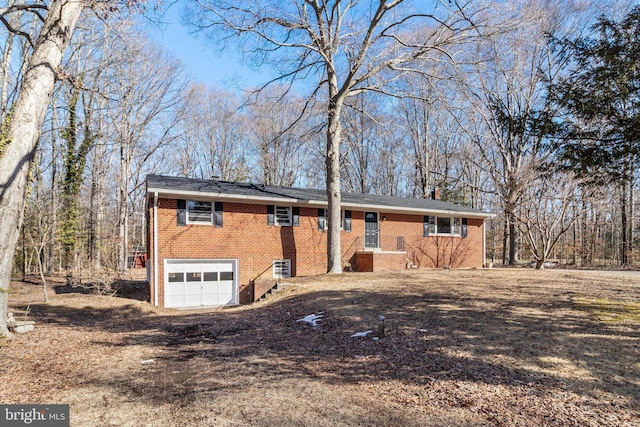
(197, 283)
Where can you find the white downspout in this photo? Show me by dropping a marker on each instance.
(484, 243)
(155, 248)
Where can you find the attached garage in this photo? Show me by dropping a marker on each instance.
(201, 283)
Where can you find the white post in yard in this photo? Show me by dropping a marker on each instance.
(380, 332)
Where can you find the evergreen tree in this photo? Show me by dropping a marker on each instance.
(598, 128)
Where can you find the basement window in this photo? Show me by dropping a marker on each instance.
(281, 269)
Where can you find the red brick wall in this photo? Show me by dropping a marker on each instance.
(436, 251)
(364, 261)
(380, 261)
(246, 236)
(447, 251)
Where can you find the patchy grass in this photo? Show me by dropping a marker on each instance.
(610, 310)
(461, 348)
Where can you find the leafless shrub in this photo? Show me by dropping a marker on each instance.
(97, 281)
(440, 251)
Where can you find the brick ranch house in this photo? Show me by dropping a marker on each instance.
(214, 242)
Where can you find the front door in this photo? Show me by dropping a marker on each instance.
(370, 229)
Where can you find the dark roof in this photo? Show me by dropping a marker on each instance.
(169, 185)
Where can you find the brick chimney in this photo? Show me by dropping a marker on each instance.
(435, 193)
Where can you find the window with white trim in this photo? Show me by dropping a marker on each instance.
(456, 226)
(199, 212)
(323, 219)
(443, 225)
(281, 269)
(283, 215)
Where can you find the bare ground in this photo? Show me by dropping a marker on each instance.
(462, 348)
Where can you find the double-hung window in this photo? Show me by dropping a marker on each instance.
(456, 226)
(323, 220)
(429, 225)
(283, 215)
(199, 212)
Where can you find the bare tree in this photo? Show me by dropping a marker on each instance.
(506, 92)
(91, 56)
(22, 134)
(439, 252)
(347, 46)
(38, 224)
(147, 99)
(12, 45)
(278, 134)
(75, 158)
(213, 143)
(416, 118)
(373, 157)
(548, 210)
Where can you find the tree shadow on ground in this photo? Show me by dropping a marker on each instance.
(132, 289)
(137, 290)
(435, 337)
(431, 337)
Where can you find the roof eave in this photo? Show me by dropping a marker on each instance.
(316, 203)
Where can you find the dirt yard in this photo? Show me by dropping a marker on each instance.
(462, 348)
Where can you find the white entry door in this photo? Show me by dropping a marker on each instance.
(197, 283)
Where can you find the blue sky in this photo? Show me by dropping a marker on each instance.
(224, 70)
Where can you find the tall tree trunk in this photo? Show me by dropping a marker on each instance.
(334, 255)
(97, 198)
(510, 206)
(624, 238)
(28, 115)
(75, 163)
(505, 240)
(585, 242)
(631, 219)
(574, 255)
(593, 243)
(513, 240)
(93, 217)
(51, 247)
(122, 208)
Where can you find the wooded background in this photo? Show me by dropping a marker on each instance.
(490, 115)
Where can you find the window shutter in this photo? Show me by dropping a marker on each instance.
(182, 212)
(463, 232)
(217, 214)
(321, 220)
(271, 215)
(296, 216)
(425, 225)
(347, 220)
